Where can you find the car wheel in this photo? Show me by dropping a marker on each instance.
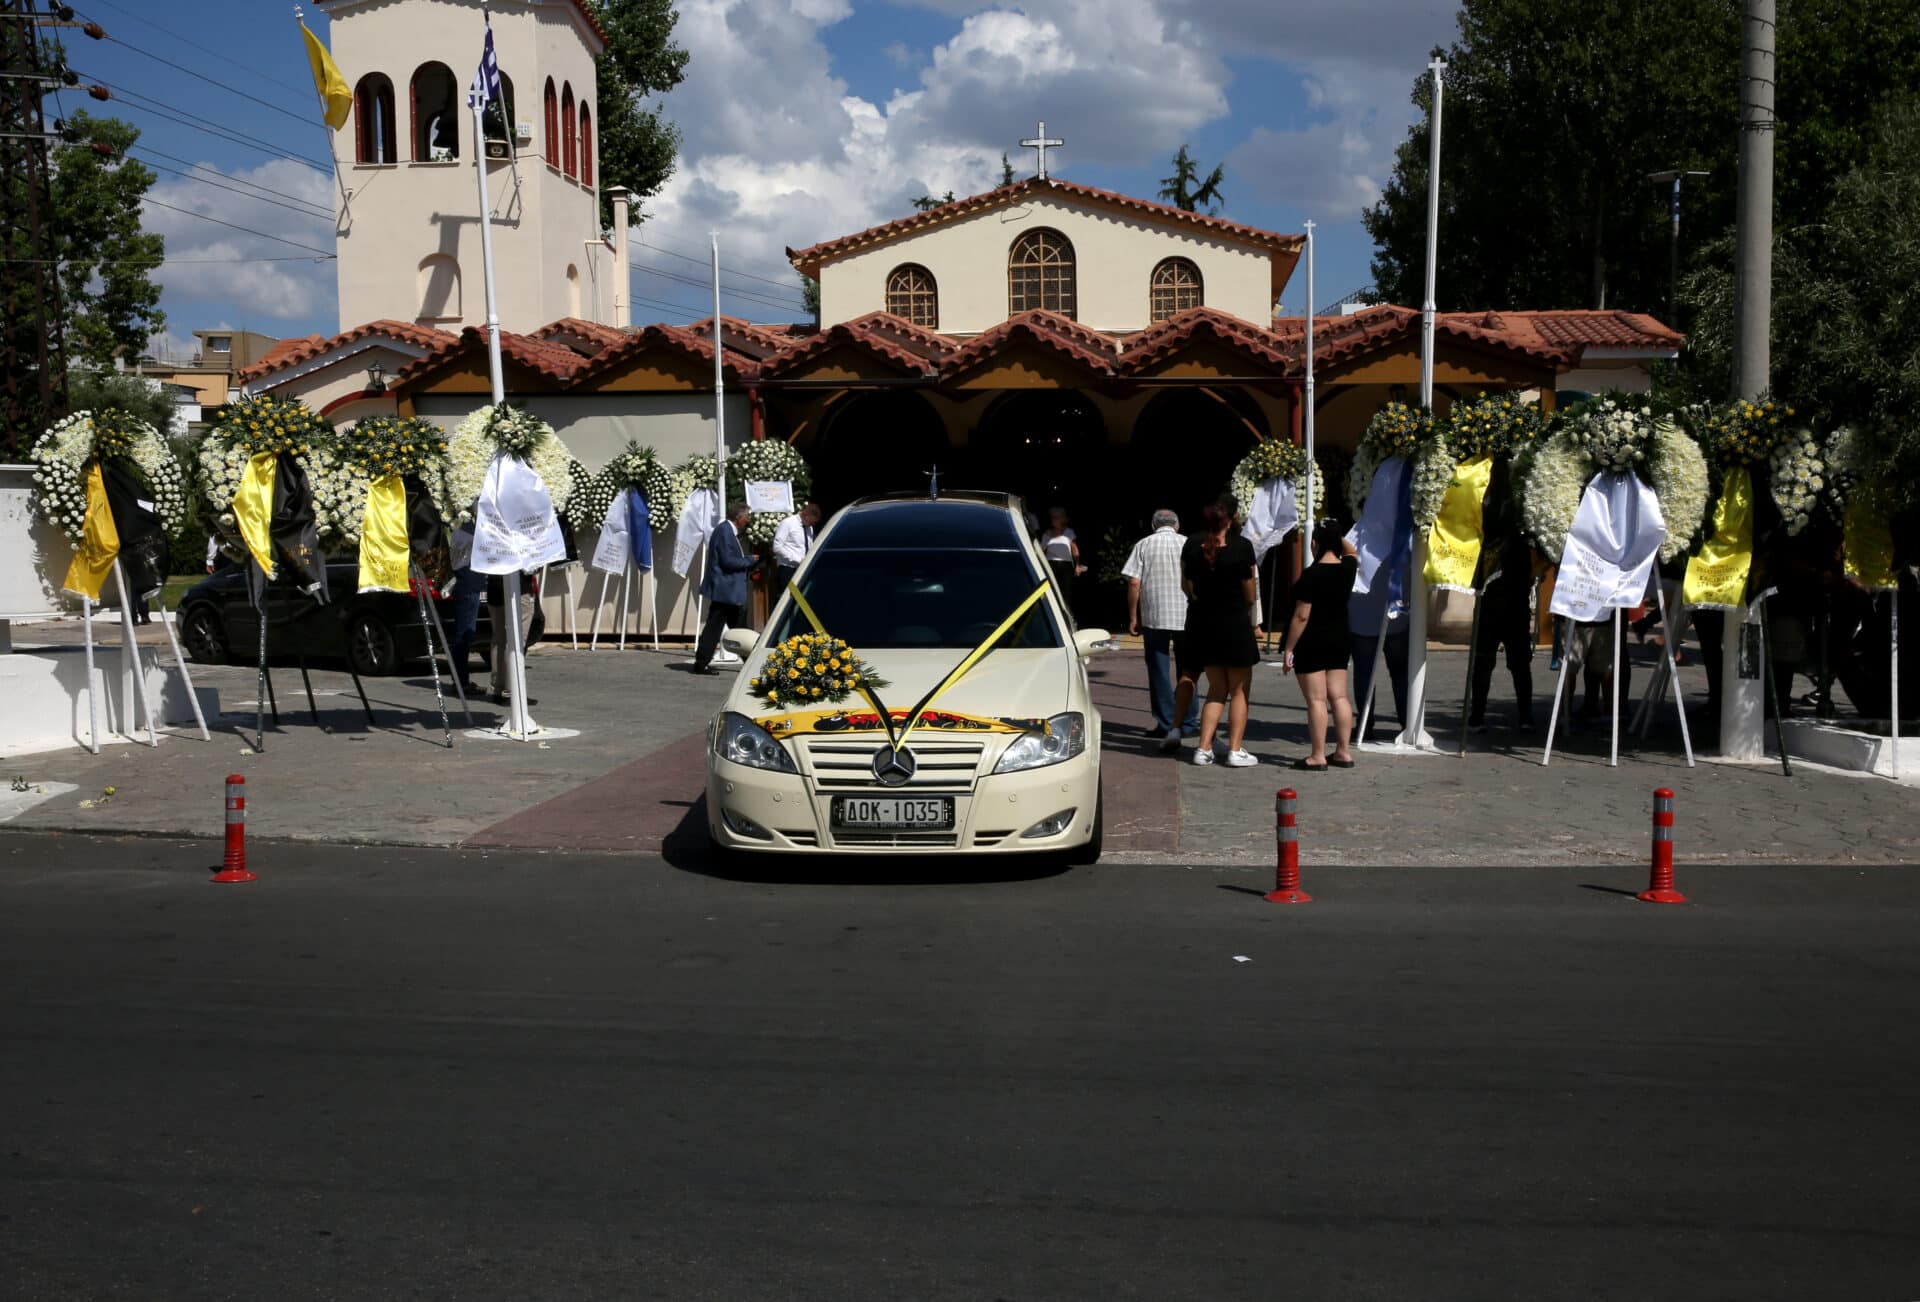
(205, 637)
(1083, 855)
(370, 648)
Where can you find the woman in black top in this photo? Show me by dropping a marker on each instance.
(1319, 644)
(1217, 573)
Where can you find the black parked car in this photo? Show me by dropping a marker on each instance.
(376, 632)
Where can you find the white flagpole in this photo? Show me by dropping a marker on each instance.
(518, 723)
(1306, 531)
(719, 413)
(1894, 682)
(1414, 734)
(1619, 654)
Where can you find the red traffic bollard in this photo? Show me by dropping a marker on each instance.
(1286, 878)
(1660, 889)
(235, 868)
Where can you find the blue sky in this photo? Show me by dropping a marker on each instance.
(804, 119)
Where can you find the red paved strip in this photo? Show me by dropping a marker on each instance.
(632, 808)
(1142, 785)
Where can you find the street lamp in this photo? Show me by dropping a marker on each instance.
(376, 378)
(1675, 176)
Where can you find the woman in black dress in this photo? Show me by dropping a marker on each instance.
(1319, 644)
(1218, 577)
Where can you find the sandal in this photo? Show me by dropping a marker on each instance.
(1340, 763)
(1302, 765)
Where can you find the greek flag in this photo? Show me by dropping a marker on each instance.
(486, 87)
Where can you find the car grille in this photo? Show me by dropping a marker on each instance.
(896, 840)
(944, 765)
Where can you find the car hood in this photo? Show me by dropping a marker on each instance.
(1013, 683)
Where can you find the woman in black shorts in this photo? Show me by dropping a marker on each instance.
(1319, 644)
(1217, 573)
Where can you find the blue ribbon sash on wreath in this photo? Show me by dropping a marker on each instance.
(639, 531)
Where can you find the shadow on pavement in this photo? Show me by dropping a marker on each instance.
(688, 849)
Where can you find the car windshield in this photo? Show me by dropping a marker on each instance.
(931, 597)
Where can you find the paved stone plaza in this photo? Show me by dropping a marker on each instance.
(632, 779)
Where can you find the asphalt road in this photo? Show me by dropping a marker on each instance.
(431, 1074)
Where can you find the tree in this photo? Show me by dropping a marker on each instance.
(1556, 110)
(810, 295)
(926, 201)
(638, 144)
(107, 260)
(92, 389)
(1006, 171)
(1846, 305)
(1185, 189)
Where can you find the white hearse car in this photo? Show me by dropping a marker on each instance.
(989, 744)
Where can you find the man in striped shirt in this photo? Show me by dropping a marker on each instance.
(1157, 612)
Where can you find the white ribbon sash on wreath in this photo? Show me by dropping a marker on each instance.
(1272, 515)
(697, 521)
(1611, 548)
(615, 548)
(1373, 534)
(514, 527)
(766, 495)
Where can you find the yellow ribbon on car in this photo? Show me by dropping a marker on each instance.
(898, 738)
(383, 537)
(253, 508)
(1454, 542)
(1717, 576)
(99, 541)
(829, 723)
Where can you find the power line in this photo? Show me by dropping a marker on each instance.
(208, 167)
(737, 292)
(201, 76)
(248, 230)
(209, 52)
(163, 110)
(296, 207)
(161, 261)
(786, 284)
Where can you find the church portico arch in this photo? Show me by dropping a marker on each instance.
(1185, 444)
(876, 441)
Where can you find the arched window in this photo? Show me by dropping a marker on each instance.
(436, 114)
(1175, 288)
(1040, 273)
(373, 119)
(911, 293)
(498, 118)
(553, 125)
(569, 142)
(439, 285)
(586, 145)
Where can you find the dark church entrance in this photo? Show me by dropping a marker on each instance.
(875, 442)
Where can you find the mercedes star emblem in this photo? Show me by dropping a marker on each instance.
(894, 768)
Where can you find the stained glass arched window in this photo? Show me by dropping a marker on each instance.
(1040, 273)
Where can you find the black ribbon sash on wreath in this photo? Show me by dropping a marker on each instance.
(295, 530)
(143, 541)
(427, 535)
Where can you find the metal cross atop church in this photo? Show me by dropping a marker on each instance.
(1042, 143)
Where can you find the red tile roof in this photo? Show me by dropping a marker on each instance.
(555, 362)
(674, 339)
(1088, 348)
(1337, 338)
(590, 333)
(895, 341)
(1163, 340)
(1598, 329)
(809, 260)
(294, 352)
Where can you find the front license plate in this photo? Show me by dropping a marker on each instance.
(892, 811)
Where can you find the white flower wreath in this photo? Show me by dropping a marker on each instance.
(1556, 474)
(340, 482)
(759, 461)
(636, 467)
(1799, 479)
(60, 458)
(490, 430)
(278, 425)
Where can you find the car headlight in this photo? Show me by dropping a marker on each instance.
(1065, 737)
(743, 741)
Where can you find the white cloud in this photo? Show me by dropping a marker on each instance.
(261, 281)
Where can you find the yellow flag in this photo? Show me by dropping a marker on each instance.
(1869, 544)
(99, 540)
(383, 537)
(1453, 545)
(253, 508)
(1717, 576)
(335, 94)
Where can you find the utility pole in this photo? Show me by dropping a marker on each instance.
(1674, 175)
(33, 364)
(1742, 725)
(1753, 239)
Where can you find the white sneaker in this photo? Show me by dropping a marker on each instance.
(1239, 759)
(1170, 744)
(1202, 755)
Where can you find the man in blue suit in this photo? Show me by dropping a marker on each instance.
(724, 585)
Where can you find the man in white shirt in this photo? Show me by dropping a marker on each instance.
(790, 543)
(1157, 612)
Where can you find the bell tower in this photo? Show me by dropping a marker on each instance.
(406, 208)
